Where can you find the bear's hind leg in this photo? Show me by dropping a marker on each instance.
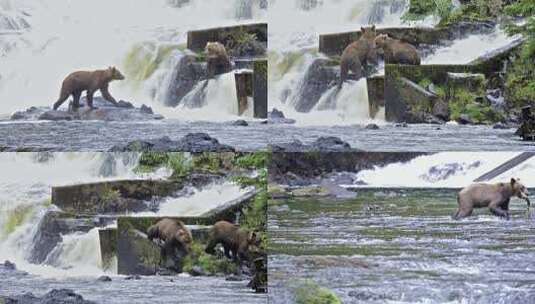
(89, 98)
(63, 96)
(76, 100)
(210, 248)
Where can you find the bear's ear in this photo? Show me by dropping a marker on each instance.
(252, 237)
(373, 27)
(362, 29)
(513, 181)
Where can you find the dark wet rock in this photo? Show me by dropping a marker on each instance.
(443, 172)
(8, 265)
(50, 230)
(104, 279)
(188, 73)
(323, 144)
(193, 142)
(277, 117)
(146, 109)
(240, 123)
(197, 271)
(372, 126)
(465, 119)
(500, 126)
(133, 277)
(55, 296)
(441, 110)
(401, 125)
(317, 80)
(123, 111)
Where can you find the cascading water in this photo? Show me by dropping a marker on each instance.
(296, 80)
(26, 189)
(143, 38)
(293, 50)
(447, 170)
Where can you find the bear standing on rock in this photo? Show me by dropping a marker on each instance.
(358, 54)
(396, 51)
(494, 196)
(217, 58)
(89, 81)
(175, 236)
(237, 243)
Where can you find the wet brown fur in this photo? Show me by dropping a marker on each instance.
(235, 241)
(397, 51)
(358, 54)
(89, 81)
(494, 196)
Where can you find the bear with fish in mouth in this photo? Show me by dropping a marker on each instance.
(494, 196)
(90, 81)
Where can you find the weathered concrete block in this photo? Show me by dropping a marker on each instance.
(493, 61)
(108, 246)
(111, 196)
(260, 89)
(472, 82)
(376, 94)
(406, 101)
(197, 39)
(137, 255)
(244, 89)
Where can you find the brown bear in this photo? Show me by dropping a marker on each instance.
(358, 54)
(237, 243)
(176, 239)
(397, 51)
(217, 59)
(89, 81)
(494, 196)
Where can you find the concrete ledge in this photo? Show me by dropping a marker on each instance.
(110, 196)
(404, 99)
(376, 94)
(244, 89)
(334, 44)
(108, 246)
(228, 211)
(197, 39)
(260, 89)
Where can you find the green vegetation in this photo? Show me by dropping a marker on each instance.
(109, 195)
(475, 10)
(208, 263)
(520, 79)
(310, 292)
(239, 37)
(463, 101)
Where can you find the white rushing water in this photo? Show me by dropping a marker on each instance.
(447, 170)
(294, 36)
(25, 189)
(144, 38)
(198, 201)
(25, 192)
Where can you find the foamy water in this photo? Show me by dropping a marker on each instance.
(61, 39)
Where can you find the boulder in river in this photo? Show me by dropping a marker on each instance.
(322, 144)
(106, 111)
(55, 296)
(277, 117)
(193, 142)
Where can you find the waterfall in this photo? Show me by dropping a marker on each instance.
(145, 44)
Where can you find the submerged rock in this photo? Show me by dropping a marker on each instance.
(9, 265)
(322, 144)
(193, 142)
(123, 111)
(55, 296)
(240, 123)
(104, 279)
(277, 117)
(371, 126)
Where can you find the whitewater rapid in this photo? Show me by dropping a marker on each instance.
(447, 170)
(61, 37)
(294, 36)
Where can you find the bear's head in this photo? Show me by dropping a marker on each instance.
(214, 48)
(381, 40)
(184, 239)
(519, 190)
(368, 33)
(115, 74)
